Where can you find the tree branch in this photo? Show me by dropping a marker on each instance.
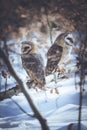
(82, 79)
(50, 28)
(24, 89)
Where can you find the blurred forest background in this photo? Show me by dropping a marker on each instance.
(22, 16)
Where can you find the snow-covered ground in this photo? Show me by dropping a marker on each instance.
(60, 110)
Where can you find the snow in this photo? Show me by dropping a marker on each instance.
(60, 110)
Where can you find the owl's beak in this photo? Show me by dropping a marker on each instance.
(68, 44)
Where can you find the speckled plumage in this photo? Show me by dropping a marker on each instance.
(33, 64)
(58, 52)
(53, 57)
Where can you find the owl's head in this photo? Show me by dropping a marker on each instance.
(28, 48)
(65, 39)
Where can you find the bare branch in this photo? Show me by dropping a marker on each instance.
(25, 91)
(21, 108)
(50, 28)
(82, 79)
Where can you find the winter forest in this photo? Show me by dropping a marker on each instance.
(43, 64)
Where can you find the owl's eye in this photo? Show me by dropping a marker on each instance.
(70, 39)
(26, 48)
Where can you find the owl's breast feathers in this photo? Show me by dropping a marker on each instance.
(53, 57)
(33, 64)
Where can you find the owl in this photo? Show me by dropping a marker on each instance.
(58, 53)
(33, 64)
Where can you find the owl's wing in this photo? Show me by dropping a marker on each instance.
(33, 64)
(53, 57)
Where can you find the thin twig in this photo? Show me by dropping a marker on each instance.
(82, 77)
(24, 88)
(6, 48)
(21, 108)
(50, 28)
(5, 84)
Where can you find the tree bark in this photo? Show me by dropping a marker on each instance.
(24, 89)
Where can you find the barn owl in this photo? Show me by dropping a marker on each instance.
(33, 64)
(59, 52)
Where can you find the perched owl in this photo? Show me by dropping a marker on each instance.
(58, 52)
(33, 64)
